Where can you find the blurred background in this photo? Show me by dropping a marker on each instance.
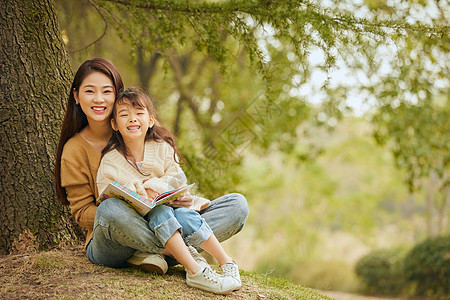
(343, 158)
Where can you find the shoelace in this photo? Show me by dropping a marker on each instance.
(210, 275)
(230, 270)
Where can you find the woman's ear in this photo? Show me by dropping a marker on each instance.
(152, 121)
(113, 125)
(75, 96)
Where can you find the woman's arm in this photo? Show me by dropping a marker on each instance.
(80, 189)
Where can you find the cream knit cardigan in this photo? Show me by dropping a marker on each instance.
(159, 172)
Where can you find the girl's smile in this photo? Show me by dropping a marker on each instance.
(133, 128)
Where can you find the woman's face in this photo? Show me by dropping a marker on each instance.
(96, 97)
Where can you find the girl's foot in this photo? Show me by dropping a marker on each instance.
(208, 280)
(232, 270)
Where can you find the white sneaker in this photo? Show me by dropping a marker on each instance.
(153, 263)
(232, 270)
(208, 280)
(197, 257)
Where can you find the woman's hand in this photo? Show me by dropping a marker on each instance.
(184, 201)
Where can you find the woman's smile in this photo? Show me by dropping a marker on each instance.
(98, 109)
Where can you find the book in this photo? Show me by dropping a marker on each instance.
(142, 204)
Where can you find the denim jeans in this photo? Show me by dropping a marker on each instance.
(119, 230)
(164, 221)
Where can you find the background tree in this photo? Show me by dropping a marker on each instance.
(35, 76)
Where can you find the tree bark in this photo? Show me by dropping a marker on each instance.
(35, 77)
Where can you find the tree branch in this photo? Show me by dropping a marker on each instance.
(101, 36)
(268, 10)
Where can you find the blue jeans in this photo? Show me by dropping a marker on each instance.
(164, 221)
(119, 230)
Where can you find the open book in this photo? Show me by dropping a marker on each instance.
(138, 202)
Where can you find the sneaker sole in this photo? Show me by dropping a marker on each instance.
(152, 269)
(201, 287)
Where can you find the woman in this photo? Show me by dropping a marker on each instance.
(116, 234)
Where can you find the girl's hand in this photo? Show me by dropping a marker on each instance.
(184, 201)
(151, 194)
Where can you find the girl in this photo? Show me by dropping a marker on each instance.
(142, 156)
(86, 129)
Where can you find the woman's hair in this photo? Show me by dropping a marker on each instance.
(138, 98)
(75, 119)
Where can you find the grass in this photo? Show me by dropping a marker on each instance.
(66, 274)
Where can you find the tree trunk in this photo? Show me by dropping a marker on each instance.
(34, 79)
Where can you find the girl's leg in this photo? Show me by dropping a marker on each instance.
(226, 215)
(196, 231)
(213, 247)
(167, 229)
(176, 246)
(118, 232)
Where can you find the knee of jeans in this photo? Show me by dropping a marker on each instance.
(162, 210)
(189, 220)
(159, 215)
(241, 207)
(111, 208)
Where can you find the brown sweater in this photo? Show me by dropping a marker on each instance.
(79, 165)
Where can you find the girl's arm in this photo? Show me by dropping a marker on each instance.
(112, 169)
(173, 177)
(105, 175)
(151, 194)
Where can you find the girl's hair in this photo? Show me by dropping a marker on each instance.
(74, 118)
(138, 98)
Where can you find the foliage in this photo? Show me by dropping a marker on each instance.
(412, 99)
(381, 272)
(311, 221)
(422, 271)
(211, 48)
(162, 25)
(428, 266)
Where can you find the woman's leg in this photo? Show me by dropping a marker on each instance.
(118, 232)
(226, 215)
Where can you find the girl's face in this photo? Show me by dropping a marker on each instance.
(96, 97)
(132, 121)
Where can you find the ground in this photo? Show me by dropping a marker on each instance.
(67, 274)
